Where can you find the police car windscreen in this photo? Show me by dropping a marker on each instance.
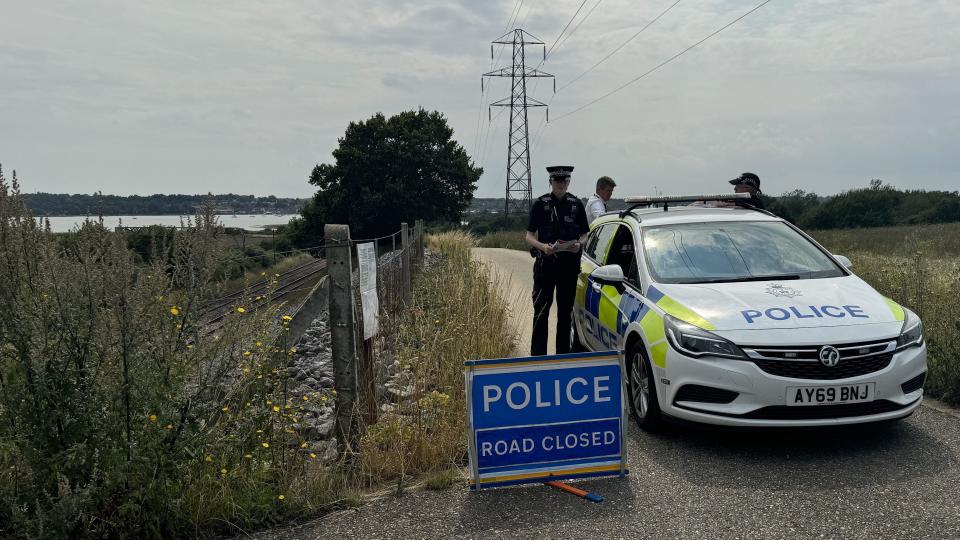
(733, 251)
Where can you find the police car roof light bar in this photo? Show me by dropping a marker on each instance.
(649, 200)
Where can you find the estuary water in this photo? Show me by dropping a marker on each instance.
(250, 222)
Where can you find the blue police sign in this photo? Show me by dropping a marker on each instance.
(545, 418)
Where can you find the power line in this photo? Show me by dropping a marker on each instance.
(665, 62)
(525, 17)
(560, 35)
(515, 12)
(622, 45)
(585, 17)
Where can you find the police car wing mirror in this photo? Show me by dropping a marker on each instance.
(610, 273)
(844, 261)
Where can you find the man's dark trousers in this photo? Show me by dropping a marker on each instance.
(556, 272)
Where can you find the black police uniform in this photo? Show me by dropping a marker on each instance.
(553, 219)
(756, 201)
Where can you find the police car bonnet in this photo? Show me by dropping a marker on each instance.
(807, 303)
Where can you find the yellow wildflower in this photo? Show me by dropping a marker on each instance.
(263, 273)
(246, 370)
(265, 445)
(313, 456)
(304, 445)
(258, 344)
(276, 408)
(281, 497)
(174, 310)
(241, 310)
(269, 402)
(153, 418)
(246, 353)
(287, 318)
(225, 409)
(248, 456)
(223, 471)
(208, 459)
(305, 398)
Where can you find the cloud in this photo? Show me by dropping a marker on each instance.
(246, 96)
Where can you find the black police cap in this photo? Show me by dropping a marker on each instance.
(747, 178)
(560, 171)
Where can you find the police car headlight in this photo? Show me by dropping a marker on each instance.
(911, 335)
(692, 341)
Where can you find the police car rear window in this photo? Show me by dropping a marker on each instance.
(733, 251)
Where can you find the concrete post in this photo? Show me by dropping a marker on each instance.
(342, 332)
(406, 274)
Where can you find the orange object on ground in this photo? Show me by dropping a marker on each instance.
(593, 497)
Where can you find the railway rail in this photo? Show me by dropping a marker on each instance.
(287, 283)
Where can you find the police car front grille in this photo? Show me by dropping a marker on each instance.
(803, 362)
(821, 412)
(704, 394)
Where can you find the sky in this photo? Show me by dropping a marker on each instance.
(247, 96)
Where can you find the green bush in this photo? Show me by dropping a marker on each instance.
(119, 414)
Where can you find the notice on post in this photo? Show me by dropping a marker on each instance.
(367, 262)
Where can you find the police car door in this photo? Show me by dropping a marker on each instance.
(597, 306)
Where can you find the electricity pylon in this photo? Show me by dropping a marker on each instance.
(518, 195)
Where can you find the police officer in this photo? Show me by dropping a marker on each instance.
(557, 228)
(749, 183)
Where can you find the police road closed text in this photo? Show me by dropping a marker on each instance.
(576, 391)
(547, 444)
(546, 396)
(538, 417)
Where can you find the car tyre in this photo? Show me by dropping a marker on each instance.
(642, 389)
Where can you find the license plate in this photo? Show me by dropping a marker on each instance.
(830, 395)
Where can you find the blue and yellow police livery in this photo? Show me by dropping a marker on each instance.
(733, 316)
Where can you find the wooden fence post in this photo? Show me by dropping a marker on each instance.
(342, 332)
(420, 240)
(406, 274)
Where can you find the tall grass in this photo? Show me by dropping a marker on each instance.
(504, 239)
(119, 416)
(457, 315)
(919, 267)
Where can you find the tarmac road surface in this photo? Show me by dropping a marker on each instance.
(893, 480)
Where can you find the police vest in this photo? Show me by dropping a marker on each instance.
(556, 225)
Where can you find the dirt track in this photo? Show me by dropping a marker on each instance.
(513, 270)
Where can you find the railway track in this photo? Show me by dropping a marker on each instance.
(288, 283)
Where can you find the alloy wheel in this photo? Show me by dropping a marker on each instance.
(639, 386)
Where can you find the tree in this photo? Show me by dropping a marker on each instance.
(388, 171)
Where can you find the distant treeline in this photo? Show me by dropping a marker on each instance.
(62, 204)
(879, 205)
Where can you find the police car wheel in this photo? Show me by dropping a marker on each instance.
(643, 390)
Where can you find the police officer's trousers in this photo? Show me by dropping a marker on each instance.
(557, 272)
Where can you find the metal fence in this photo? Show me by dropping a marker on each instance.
(355, 360)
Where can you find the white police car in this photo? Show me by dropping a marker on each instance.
(734, 316)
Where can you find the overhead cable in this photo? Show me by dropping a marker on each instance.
(661, 64)
(622, 45)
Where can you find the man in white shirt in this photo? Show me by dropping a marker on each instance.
(597, 203)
